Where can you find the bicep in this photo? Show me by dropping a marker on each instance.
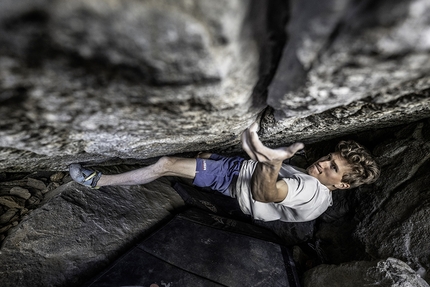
(282, 189)
(276, 195)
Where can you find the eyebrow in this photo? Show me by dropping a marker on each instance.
(336, 167)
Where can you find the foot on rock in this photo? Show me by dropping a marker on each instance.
(84, 176)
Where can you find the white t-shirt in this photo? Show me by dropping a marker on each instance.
(307, 198)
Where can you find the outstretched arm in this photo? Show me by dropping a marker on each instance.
(265, 186)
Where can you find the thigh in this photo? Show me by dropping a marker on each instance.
(176, 166)
(217, 172)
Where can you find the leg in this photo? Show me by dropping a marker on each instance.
(205, 155)
(165, 166)
(217, 172)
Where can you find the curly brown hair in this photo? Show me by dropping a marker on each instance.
(364, 169)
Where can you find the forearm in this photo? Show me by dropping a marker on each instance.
(265, 186)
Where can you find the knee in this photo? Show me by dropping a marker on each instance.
(163, 164)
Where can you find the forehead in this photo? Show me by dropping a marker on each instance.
(340, 161)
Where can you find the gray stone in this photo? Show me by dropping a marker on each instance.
(91, 227)
(389, 272)
(140, 85)
(108, 83)
(388, 218)
(23, 211)
(12, 202)
(5, 228)
(57, 177)
(7, 216)
(191, 36)
(316, 21)
(21, 192)
(33, 201)
(361, 50)
(51, 186)
(403, 103)
(35, 183)
(400, 202)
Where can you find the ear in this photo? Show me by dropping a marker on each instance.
(342, 185)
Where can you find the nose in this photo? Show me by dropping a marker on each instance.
(324, 163)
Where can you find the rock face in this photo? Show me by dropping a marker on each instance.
(400, 202)
(388, 218)
(114, 82)
(19, 197)
(79, 231)
(97, 80)
(344, 51)
(389, 272)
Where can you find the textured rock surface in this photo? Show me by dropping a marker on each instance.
(395, 105)
(79, 231)
(178, 76)
(348, 50)
(162, 77)
(388, 218)
(389, 272)
(400, 201)
(118, 82)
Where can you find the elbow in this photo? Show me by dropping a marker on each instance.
(265, 198)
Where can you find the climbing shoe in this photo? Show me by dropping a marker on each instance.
(84, 176)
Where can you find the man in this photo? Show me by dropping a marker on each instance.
(264, 187)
